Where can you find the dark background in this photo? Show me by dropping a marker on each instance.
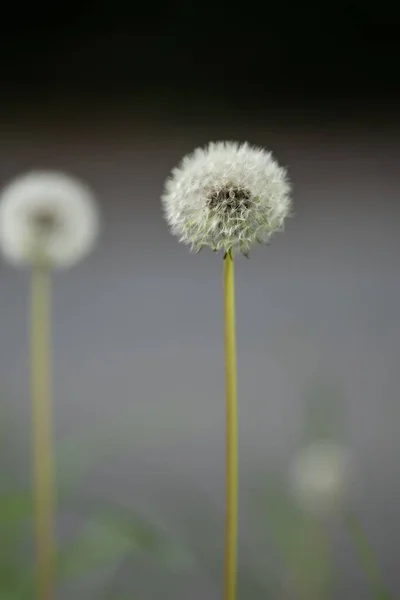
(290, 55)
(116, 94)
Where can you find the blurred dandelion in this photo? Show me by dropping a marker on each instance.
(227, 196)
(320, 479)
(47, 217)
(47, 220)
(319, 475)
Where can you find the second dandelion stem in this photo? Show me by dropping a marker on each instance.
(231, 526)
(42, 430)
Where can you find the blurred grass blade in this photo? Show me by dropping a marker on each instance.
(367, 556)
(109, 538)
(98, 545)
(153, 540)
(299, 539)
(16, 510)
(15, 506)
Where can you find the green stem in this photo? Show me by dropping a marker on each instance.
(367, 556)
(42, 430)
(231, 526)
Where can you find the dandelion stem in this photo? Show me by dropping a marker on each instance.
(231, 525)
(367, 556)
(42, 430)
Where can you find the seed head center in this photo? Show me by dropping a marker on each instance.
(231, 199)
(45, 221)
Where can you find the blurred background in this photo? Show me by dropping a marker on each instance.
(116, 93)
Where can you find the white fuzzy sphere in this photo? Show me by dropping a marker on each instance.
(319, 476)
(69, 204)
(227, 196)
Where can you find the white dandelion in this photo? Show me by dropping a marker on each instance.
(227, 196)
(47, 220)
(319, 477)
(49, 215)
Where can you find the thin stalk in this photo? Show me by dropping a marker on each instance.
(43, 475)
(231, 525)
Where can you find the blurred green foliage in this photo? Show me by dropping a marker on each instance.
(280, 525)
(109, 533)
(302, 539)
(301, 542)
(284, 553)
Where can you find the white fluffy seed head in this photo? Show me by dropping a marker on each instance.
(47, 214)
(319, 477)
(227, 196)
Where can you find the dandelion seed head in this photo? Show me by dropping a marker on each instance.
(47, 214)
(227, 196)
(319, 477)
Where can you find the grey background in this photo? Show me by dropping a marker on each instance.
(138, 340)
